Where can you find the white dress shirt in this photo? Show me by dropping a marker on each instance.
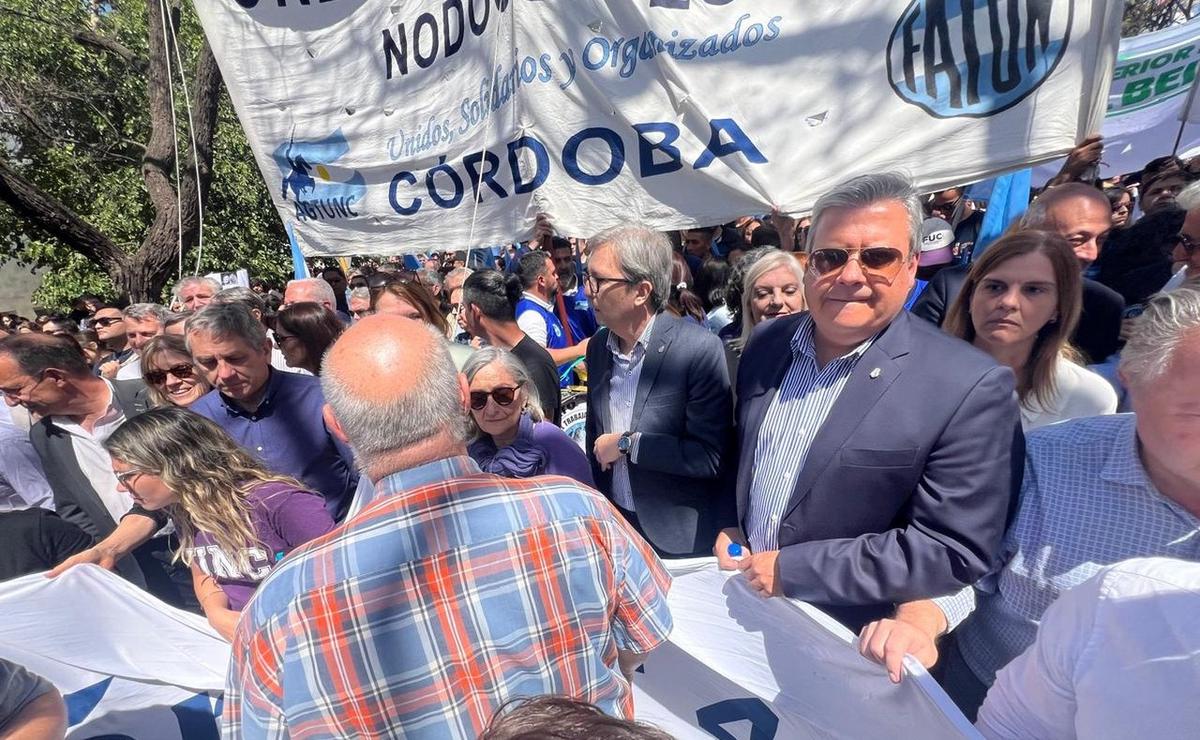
(622, 392)
(1116, 657)
(22, 482)
(94, 460)
(532, 323)
(131, 369)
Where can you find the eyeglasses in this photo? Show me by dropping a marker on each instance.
(183, 371)
(128, 475)
(503, 396)
(107, 321)
(1186, 242)
(881, 262)
(15, 393)
(594, 283)
(280, 339)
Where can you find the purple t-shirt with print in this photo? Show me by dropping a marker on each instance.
(284, 518)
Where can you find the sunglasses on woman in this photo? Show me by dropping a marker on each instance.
(182, 371)
(874, 261)
(502, 396)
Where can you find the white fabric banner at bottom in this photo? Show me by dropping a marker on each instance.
(736, 666)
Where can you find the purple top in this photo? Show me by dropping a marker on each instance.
(540, 448)
(284, 518)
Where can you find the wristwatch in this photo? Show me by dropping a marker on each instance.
(625, 443)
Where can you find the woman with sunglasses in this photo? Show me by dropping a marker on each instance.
(303, 331)
(511, 438)
(235, 520)
(411, 300)
(1020, 303)
(171, 379)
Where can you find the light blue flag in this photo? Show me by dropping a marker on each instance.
(299, 266)
(1008, 202)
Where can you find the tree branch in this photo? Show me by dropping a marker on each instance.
(46, 212)
(85, 37)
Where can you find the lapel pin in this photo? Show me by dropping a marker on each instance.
(875, 373)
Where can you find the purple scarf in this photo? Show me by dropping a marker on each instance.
(521, 459)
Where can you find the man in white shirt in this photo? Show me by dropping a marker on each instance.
(78, 411)
(1116, 657)
(1096, 491)
(143, 322)
(22, 483)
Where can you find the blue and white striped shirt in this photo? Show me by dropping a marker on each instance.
(622, 391)
(805, 398)
(1086, 502)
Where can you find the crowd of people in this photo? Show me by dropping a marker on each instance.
(363, 483)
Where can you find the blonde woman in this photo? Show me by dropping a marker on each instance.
(171, 378)
(234, 519)
(772, 287)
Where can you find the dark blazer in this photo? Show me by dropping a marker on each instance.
(683, 411)
(75, 500)
(1097, 336)
(906, 489)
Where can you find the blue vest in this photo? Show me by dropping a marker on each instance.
(579, 315)
(556, 338)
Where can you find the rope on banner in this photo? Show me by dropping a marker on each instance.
(174, 138)
(512, 10)
(187, 102)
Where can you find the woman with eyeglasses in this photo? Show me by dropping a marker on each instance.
(170, 376)
(411, 300)
(1020, 303)
(235, 520)
(303, 332)
(511, 438)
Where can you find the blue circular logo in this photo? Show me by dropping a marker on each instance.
(976, 58)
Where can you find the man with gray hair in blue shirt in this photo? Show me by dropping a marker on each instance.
(1096, 491)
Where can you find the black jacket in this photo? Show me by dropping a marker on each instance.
(75, 499)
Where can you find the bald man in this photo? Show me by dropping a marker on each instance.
(451, 592)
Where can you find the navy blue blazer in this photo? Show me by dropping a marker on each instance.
(684, 412)
(906, 489)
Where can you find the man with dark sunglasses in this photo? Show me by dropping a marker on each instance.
(109, 324)
(1185, 251)
(878, 454)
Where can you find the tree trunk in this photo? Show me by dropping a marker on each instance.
(141, 276)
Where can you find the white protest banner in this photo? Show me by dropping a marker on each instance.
(387, 127)
(738, 665)
(1148, 101)
(1150, 89)
(128, 665)
(132, 666)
